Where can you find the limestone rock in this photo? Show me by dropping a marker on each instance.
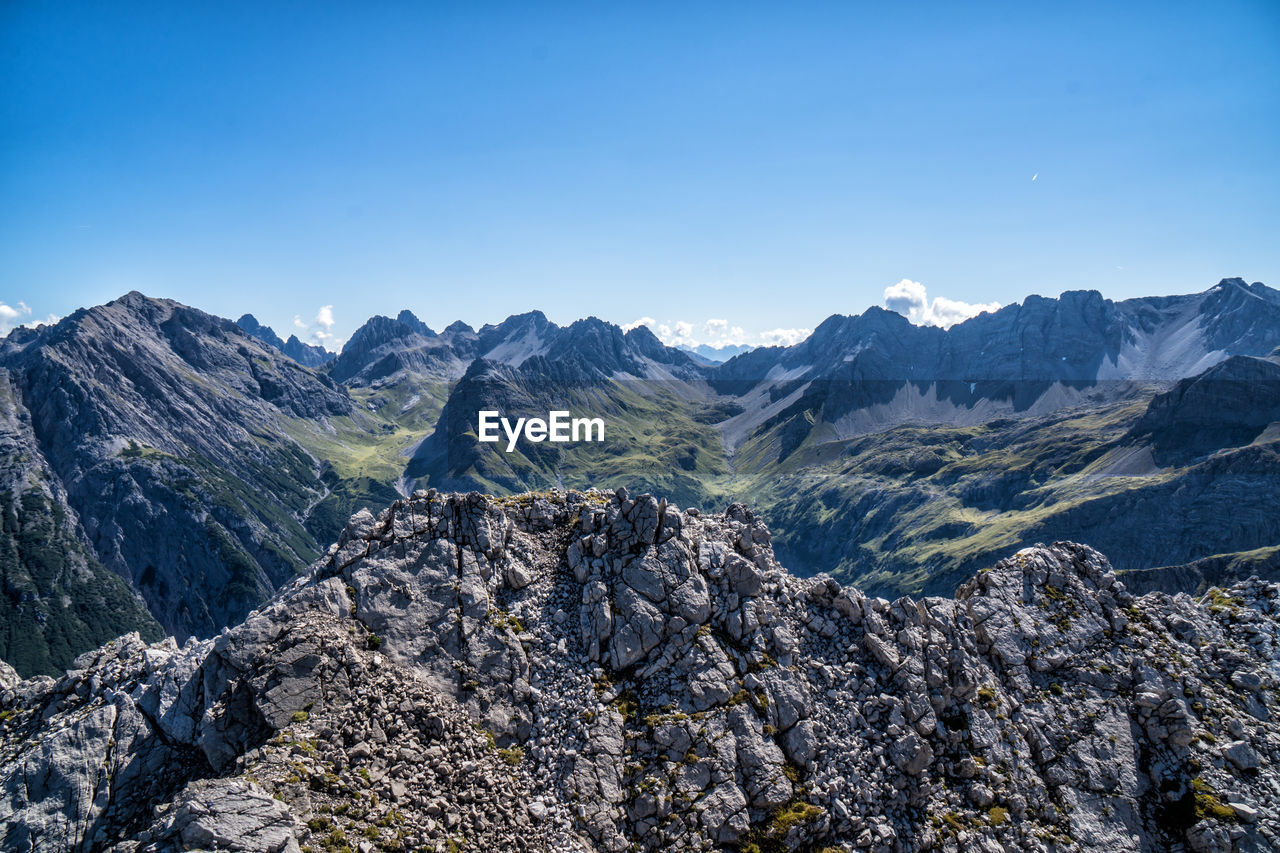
(570, 672)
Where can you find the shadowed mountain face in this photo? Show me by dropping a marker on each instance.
(204, 463)
(57, 599)
(1231, 404)
(166, 430)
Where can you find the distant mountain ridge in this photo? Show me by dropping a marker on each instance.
(718, 355)
(1078, 336)
(874, 370)
(309, 355)
(382, 347)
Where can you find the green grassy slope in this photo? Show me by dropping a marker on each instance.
(655, 441)
(921, 508)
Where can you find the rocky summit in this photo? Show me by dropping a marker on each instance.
(587, 671)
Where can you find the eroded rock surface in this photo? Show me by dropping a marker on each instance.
(586, 671)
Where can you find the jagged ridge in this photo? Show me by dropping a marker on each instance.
(584, 671)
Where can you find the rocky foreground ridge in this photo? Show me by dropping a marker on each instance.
(585, 671)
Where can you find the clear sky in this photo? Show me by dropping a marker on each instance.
(764, 164)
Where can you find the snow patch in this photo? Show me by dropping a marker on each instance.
(516, 352)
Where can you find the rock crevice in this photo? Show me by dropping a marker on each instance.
(593, 671)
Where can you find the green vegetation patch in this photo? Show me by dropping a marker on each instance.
(60, 600)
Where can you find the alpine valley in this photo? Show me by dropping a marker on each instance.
(165, 471)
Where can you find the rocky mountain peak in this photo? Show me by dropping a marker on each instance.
(1230, 293)
(305, 354)
(378, 330)
(266, 334)
(530, 320)
(139, 301)
(154, 418)
(381, 347)
(647, 344)
(411, 320)
(587, 671)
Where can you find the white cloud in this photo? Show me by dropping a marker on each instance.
(320, 330)
(643, 321)
(9, 315)
(911, 300)
(716, 333)
(784, 337)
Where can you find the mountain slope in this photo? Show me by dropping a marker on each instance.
(56, 599)
(649, 397)
(1177, 477)
(165, 427)
(584, 672)
(652, 437)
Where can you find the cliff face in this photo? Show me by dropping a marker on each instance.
(588, 671)
(56, 598)
(166, 430)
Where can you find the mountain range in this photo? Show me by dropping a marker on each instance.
(185, 466)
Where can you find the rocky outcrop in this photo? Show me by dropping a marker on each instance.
(1222, 570)
(565, 671)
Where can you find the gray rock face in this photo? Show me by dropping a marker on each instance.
(162, 427)
(582, 671)
(222, 814)
(58, 598)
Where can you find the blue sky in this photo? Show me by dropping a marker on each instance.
(760, 164)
